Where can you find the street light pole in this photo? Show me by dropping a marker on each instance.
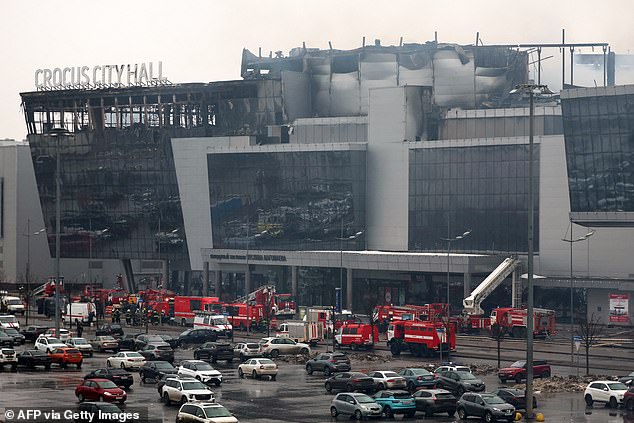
(572, 287)
(28, 265)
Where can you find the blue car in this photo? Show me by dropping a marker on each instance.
(396, 402)
(418, 378)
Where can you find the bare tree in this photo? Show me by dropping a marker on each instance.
(590, 332)
(498, 333)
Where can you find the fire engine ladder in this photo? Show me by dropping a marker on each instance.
(40, 289)
(472, 303)
(251, 296)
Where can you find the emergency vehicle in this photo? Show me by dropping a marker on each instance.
(186, 307)
(210, 320)
(301, 331)
(357, 335)
(420, 338)
(513, 321)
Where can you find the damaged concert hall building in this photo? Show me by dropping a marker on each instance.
(397, 170)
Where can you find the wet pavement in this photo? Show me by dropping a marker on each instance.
(293, 397)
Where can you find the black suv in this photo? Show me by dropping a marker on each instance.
(156, 370)
(197, 336)
(119, 376)
(328, 363)
(489, 407)
(214, 351)
(31, 333)
(459, 382)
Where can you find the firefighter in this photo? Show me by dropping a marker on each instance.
(155, 317)
(128, 318)
(163, 317)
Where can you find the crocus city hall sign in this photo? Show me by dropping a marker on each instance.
(101, 76)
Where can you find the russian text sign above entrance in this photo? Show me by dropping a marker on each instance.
(100, 76)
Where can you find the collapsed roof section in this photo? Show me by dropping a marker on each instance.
(337, 82)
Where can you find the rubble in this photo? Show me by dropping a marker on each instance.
(483, 369)
(368, 357)
(563, 383)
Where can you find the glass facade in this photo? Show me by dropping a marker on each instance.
(296, 200)
(481, 188)
(599, 137)
(119, 194)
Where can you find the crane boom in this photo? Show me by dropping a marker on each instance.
(472, 303)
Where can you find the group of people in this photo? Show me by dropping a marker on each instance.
(136, 316)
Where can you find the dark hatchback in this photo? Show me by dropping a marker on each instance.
(18, 338)
(120, 377)
(350, 382)
(214, 351)
(515, 397)
(197, 336)
(32, 358)
(156, 370)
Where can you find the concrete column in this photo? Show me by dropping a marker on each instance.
(206, 279)
(247, 281)
(349, 288)
(466, 284)
(516, 290)
(294, 272)
(218, 283)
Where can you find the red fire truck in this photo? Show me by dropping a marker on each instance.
(357, 335)
(185, 308)
(422, 339)
(513, 321)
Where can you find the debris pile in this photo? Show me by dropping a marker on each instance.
(483, 369)
(368, 357)
(294, 359)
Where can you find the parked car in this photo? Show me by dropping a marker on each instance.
(453, 367)
(418, 378)
(142, 340)
(32, 332)
(163, 378)
(387, 380)
(127, 341)
(434, 401)
(105, 343)
(6, 340)
(517, 371)
(200, 370)
(100, 390)
(120, 377)
(197, 336)
(18, 338)
(274, 347)
(66, 356)
(244, 350)
(99, 412)
(185, 390)
(606, 391)
(396, 402)
(459, 382)
(64, 334)
(627, 379)
(328, 362)
(8, 358)
(214, 351)
(515, 397)
(628, 399)
(350, 382)
(126, 360)
(208, 412)
(155, 370)
(48, 344)
(486, 406)
(82, 345)
(32, 358)
(113, 329)
(258, 367)
(355, 404)
(161, 351)
(173, 342)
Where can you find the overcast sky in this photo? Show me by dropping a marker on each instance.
(201, 41)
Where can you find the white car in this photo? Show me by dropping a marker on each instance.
(200, 370)
(606, 391)
(452, 368)
(258, 367)
(274, 347)
(82, 345)
(126, 360)
(388, 380)
(185, 390)
(245, 350)
(207, 412)
(48, 344)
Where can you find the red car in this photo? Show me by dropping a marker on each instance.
(517, 371)
(628, 399)
(100, 390)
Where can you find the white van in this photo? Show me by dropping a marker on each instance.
(79, 311)
(12, 305)
(9, 321)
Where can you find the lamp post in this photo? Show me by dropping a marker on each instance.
(531, 89)
(57, 133)
(341, 240)
(572, 297)
(449, 240)
(28, 264)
